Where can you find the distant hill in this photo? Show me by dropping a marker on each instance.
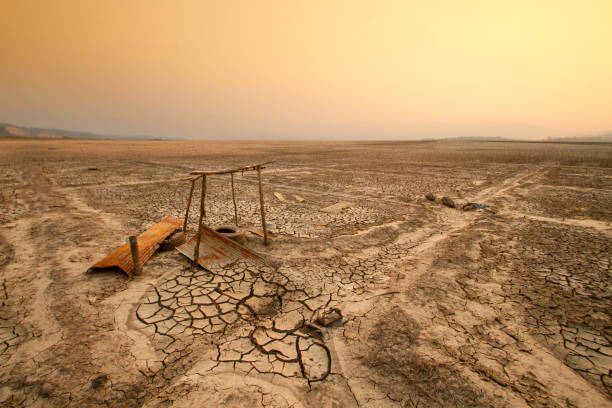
(601, 138)
(481, 139)
(471, 139)
(8, 129)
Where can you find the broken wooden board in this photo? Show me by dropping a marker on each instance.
(215, 248)
(148, 242)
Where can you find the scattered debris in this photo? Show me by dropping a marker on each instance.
(337, 207)
(280, 196)
(447, 201)
(474, 206)
(299, 199)
(232, 232)
(458, 203)
(328, 317)
(453, 202)
(173, 241)
(215, 248)
(148, 242)
(99, 381)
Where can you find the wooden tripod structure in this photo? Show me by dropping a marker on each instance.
(203, 174)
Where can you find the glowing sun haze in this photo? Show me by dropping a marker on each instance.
(308, 69)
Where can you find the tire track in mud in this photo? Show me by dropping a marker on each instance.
(487, 340)
(417, 261)
(600, 226)
(66, 339)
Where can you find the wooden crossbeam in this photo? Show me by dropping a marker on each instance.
(227, 171)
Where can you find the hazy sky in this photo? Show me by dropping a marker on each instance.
(308, 69)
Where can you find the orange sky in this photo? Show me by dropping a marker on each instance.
(308, 69)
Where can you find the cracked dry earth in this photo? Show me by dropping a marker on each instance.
(439, 308)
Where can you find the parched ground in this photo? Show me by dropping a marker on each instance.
(511, 306)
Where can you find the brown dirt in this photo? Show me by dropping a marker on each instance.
(441, 308)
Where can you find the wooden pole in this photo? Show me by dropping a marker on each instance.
(234, 200)
(196, 250)
(261, 204)
(135, 258)
(204, 195)
(188, 205)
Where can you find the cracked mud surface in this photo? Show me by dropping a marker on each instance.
(438, 308)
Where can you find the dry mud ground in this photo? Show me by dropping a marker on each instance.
(442, 308)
